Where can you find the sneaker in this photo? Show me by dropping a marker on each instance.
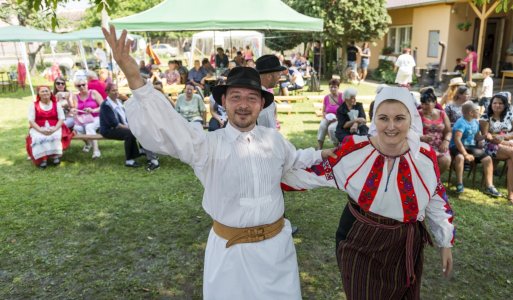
(151, 167)
(132, 165)
(97, 154)
(56, 161)
(294, 229)
(86, 148)
(43, 165)
(492, 191)
(459, 188)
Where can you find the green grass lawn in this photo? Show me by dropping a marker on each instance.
(97, 230)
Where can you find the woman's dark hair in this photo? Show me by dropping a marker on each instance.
(461, 90)
(334, 82)
(60, 79)
(469, 48)
(504, 100)
(428, 95)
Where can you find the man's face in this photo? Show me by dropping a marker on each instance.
(242, 107)
(113, 93)
(197, 64)
(272, 79)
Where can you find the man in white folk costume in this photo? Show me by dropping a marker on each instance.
(250, 252)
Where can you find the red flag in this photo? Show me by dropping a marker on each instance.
(152, 54)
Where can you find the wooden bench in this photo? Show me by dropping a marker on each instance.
(297, 98)
(87, 137)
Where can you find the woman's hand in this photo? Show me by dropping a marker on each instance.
(327, 153)
(426, 138)
(354, 128)
(444, 146)
(446, 256)
(468, 157)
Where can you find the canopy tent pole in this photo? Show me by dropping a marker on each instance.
(82, 54)
(26, 60)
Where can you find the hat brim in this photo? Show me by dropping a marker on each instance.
(219, 90)
(276, 69)
(457, 83)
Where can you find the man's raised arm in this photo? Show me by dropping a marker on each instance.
(121, 53)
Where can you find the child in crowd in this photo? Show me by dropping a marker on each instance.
(460, 66)
(487, 90)
(463, 146)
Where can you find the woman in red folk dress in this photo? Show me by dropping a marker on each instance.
(47, 136)
(393, 184)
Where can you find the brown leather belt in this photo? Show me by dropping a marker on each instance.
(248, 234)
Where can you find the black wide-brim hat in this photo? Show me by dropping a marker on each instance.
(269, 63)
(243, 77)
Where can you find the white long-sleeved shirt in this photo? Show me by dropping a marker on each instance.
(241, 174)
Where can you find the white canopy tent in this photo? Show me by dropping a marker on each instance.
(205, 41)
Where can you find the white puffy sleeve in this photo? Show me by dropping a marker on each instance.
(439, 215)
(159, 128)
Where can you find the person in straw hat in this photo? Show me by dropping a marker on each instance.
(451, 90)
(393, 184)
(250, 253)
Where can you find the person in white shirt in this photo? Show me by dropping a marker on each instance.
(487, 91)
(404, 65)
(250, 253)
(114, 125)
(101, 56)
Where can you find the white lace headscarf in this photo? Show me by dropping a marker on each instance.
(405, 97)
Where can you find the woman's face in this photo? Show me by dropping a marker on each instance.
(427, 106)
(334, 89)
(81, 86)
(60, 85)
(463, 97)
(497, 106)
(189, 90)
(44, 93)
(392, 122)
(351, 101)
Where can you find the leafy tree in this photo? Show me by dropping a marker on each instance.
(23, 14)
(354, 20)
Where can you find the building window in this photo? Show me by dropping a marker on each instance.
(433, 39)
(399, 37)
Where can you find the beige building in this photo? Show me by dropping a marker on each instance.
(421, 24)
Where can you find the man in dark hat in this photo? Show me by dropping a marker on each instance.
(269, 68)
(250, 253)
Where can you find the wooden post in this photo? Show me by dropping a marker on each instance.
(483, 17)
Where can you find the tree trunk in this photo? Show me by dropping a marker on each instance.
(343, 60)
(32, 57)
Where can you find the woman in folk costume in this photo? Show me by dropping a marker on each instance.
(47, 136)
(393, 183)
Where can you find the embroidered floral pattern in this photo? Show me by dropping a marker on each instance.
(408, 197)
(370, 187)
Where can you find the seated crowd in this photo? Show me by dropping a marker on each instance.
(458, 130)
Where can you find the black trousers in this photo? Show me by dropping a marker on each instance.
(214, 125)
(124, 134)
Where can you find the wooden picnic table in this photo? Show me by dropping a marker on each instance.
(506, 73)
(168, 89)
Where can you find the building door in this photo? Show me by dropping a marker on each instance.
(493, 39)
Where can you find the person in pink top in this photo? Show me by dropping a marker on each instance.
(86, 109)
(329, 114)
(248, 54)
(471, 57)
(93, 83)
